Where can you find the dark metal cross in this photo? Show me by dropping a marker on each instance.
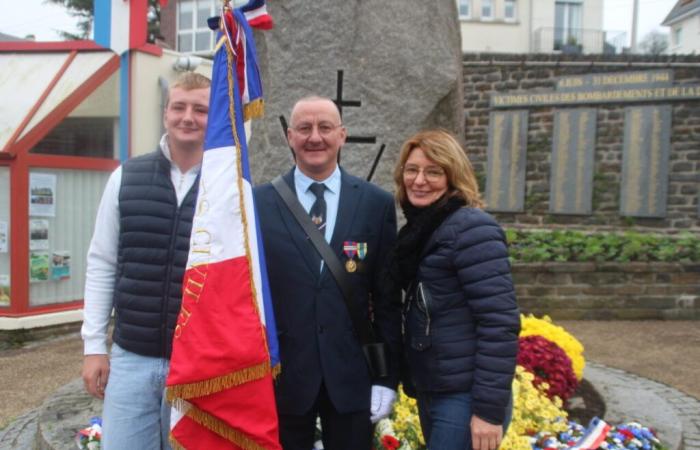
(354, 104)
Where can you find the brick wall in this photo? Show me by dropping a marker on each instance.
(486, 74)
(609, 290)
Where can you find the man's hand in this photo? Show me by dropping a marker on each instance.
(485, 436)
(95, 374)
(382, 401)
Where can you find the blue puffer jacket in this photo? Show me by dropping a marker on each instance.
(471, 340)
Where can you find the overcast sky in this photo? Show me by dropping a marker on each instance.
(20, 18)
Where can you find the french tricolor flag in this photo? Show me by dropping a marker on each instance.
(225, 350)
(256, 13)
(595, 434)
(121, 25)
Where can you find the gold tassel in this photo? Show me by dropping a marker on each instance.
(254, 109)
(213, 385)
(276, 371)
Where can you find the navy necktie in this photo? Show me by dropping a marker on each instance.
(318, 209)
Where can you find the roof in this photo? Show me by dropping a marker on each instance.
(682, 9)
(44, 81)
(9, 37)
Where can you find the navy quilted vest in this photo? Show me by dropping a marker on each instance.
(154, 241)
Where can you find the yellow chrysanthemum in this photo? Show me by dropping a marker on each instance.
(406, 423)
(532, 326)
(533, 411)
(512, 441)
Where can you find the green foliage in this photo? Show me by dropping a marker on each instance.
(576, 246)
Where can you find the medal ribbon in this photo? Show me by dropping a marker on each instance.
(350, 249)
(361, 250)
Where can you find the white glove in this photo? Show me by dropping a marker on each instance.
(381, 403)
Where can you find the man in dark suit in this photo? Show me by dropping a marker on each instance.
(324, 372)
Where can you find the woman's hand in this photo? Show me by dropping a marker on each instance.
(485, 436)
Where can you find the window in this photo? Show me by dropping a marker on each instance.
(465, 8)
(567, 23)
(509, 12)
(193, 33)
(91, 129)
(677, 36)
(487, 9)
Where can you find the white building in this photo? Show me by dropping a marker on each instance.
(532, 26)
(684, 22)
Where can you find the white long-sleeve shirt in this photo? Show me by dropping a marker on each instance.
(101, 271)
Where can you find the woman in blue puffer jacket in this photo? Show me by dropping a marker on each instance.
(461, 318)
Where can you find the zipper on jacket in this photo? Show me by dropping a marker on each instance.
(169, 270)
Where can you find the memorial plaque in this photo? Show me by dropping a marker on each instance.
(645, 161)
(505, 179)
(573, 153)
(615, 80)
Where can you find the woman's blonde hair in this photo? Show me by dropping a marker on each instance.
(441, 147)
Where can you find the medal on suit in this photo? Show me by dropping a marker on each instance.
(350, 265)
(361, 250)
(350, 250)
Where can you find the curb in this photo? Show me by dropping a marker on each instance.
(628, 397)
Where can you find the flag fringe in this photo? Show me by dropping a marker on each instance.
(174, 443)
(219, 427)
(253, 110)
(276, 370)
(213, 385)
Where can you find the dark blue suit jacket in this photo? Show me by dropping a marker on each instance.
(317, 340)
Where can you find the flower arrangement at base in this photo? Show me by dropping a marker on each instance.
(549, 364)
(533, 411)
(629, 436)
(89, 438)
(385, 436)
(532, 326)
(401, 431)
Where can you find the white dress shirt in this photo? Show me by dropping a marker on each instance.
(331, 195)
(101, 273)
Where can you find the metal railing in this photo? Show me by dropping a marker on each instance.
(577, 40)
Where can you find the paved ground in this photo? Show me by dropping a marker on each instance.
(665, 351)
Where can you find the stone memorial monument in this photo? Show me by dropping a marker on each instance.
(393, 67)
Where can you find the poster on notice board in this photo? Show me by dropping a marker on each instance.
(42, 194)
(4, 290)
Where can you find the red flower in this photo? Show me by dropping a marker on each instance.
(550, 364)
(390, 442)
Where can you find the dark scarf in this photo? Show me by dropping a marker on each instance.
(420, 225)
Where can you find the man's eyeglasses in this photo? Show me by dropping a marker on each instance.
(324, 128)
(431, 174)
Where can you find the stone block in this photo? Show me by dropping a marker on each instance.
(401, 69)
(598, 278)
(554, 278)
